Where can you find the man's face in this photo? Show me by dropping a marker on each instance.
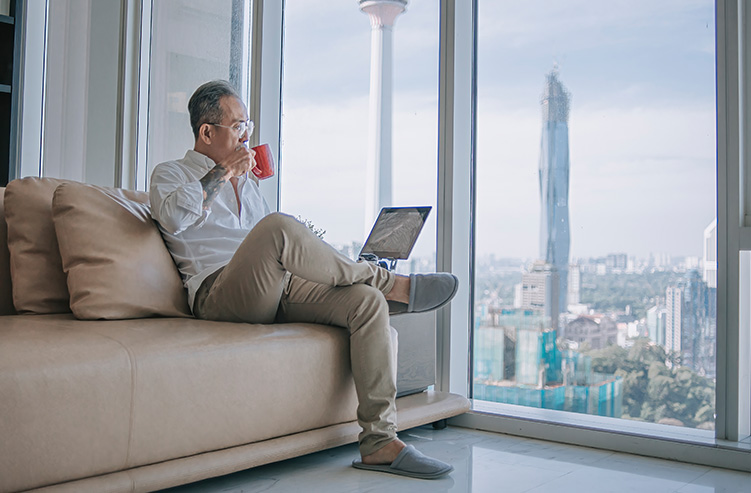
(226, 138)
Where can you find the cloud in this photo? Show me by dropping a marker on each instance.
(324, 154)
(641, 129)
(641, 180)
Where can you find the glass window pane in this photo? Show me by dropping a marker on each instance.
(326, 115)
(81, 91)
(596, 234)
(192, 42)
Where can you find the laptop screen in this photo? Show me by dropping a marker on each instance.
(395, 232)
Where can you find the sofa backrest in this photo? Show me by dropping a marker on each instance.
(6, 293)
(98, 244)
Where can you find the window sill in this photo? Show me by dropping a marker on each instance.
(634, 437)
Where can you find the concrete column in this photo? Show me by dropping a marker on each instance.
(383, 14)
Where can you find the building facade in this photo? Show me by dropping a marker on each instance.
(593, 331)
(540, 291)
(517, 361)
(574, 285)
(673, 317)
(656, 320)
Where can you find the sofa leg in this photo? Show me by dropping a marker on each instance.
(440, 424)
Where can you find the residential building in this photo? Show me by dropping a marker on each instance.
(616, 261)
(574, 284)
(540, 291)
(595, 331)
(656, 324)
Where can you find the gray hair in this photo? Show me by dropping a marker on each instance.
(204, 105)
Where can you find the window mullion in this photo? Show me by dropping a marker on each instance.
(732, 355)
(455, 162)
(265, 101)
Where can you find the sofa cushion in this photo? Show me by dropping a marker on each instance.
(36, 269)
(114, 256)
(6, 295)
(66, 401)
(82, 398)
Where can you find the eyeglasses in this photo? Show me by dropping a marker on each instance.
(239, 127)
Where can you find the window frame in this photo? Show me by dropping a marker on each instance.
(730, 445)
(733, 23)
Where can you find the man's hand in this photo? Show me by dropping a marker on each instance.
(239, 161)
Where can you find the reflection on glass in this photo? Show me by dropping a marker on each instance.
(596, 235)
(192, 42)
(81, 91)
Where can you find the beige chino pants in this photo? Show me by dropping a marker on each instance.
(325, 287)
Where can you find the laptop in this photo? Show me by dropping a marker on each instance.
(394, 235)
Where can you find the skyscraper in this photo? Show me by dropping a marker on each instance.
(673, 318)
(690, 326)
(694, 326)
(554, 172)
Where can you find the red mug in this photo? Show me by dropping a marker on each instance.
(264, 167)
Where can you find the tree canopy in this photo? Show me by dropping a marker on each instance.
(655, 392)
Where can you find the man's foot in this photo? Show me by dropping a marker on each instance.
(408, 462)
(400, 290)
(386, 454)
(422, 292)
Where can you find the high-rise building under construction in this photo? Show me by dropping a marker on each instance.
(555, 237)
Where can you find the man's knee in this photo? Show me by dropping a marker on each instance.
(276, 220)
(278, 224)
(367, 305)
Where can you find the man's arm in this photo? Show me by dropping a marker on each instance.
(177, 203)
(239, 162)
(212, 182)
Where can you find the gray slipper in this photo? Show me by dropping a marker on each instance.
(431, 291)
(427, 292)
(411, 463)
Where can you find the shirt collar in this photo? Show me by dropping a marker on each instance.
(199, 159)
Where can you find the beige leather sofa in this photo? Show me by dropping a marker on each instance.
(107, 384)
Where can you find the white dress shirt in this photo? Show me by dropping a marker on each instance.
(201, 241)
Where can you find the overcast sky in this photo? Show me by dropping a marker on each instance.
(641, 128)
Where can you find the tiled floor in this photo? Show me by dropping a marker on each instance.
(483, 462)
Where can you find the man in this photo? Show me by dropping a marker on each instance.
(242, 263)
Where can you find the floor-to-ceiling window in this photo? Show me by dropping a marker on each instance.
(81, 90)
(325, 119)
(191, 42)
(595, 270)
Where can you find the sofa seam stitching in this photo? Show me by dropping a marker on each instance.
(131, 414)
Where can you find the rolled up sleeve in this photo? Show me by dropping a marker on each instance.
(176, 203)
